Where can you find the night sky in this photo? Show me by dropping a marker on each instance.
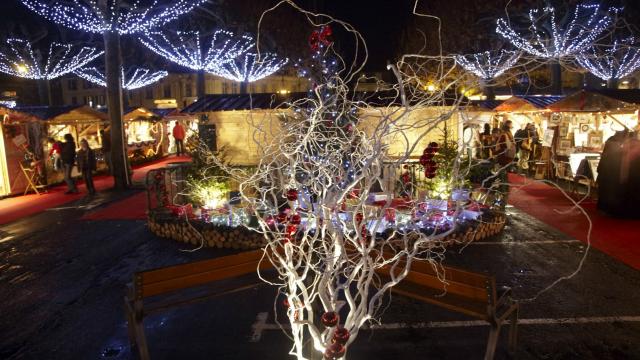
(382, 22)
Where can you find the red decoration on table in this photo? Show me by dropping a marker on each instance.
(295, 219)
(405, 177)
(359, 217)
(341, 335)
(330, 319)
(292, 194)
(281, 217)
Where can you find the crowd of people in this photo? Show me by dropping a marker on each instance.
(507, 148)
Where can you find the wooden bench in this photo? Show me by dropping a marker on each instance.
(465, 292)
(159, 289)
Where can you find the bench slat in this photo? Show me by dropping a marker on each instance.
(178, 271)
(461, 289)
(200, 278)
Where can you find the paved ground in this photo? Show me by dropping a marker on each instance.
(62, 284)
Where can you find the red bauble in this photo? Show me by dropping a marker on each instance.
(359, 218)
(295, 219)
(434, 145)
(335, 351)
(424, 159)
(330, 319)
(292, 194)
(406, 178)
(341, 336)
(292, 229)
(281, 218)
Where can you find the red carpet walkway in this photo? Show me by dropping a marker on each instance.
(15, 208)
(619, 238)
(132, 208)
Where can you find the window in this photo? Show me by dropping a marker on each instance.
(148, 93)
(101, 100)
(264, 88)
(225, 88)
(74, 100)
(167, 91)
(73, 84)
(189, 90)
(86, 84)
(235, 87)
(88, 100)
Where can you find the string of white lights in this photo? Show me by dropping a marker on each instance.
(614, 62)
(250, 67)
(124, 18)
(546, 37)
(488, 65)
(19, 59)
(184, 48)
(140, 77)
(8, 103)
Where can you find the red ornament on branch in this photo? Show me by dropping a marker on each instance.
(292, 194)
(335, 351)
(341, 336)
(296, 219)
(330, 319)
(320, 37)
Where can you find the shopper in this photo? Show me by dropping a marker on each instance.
(178, 135)
(87, 164)
(525, 148)
(487, 142)
(55, 153)
(505, 153)
(105, 138)
(68, 155)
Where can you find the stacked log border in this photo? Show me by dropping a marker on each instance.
(195, 232)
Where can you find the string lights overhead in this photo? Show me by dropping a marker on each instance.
(547, 37)
(123, 18)
(133, 79)
(250, 67)
(185, 48)
(614, 62)
(488, 65)
(19, 59)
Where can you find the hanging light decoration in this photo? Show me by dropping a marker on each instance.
(184, 48)
(488, 65)
(547, 37)
(250, 67)
(19, 59)
(614, 62)
(133, 79)
(125, 19)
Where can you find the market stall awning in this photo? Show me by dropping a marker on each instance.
(599, 100)
(528, 103)
(55, 114)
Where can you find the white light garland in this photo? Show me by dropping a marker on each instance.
(615, 62)
(8, 103)
(19, 59)
(140, 77)
(547, 37)
(184, 48)
(488, 65)
(250, 67)
(125, 18)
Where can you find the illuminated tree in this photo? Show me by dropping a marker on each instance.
(249, 68)
(611, 63)
(19, 59)
(186, 49)
(132, 79)
(488, 66)
(113, 18)
(549, 37)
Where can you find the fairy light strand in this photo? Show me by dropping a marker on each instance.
(250, 67)
(19, 59)
(547, 37)
(487, 65)
(614, 62)
(140, 77)
(124, 19)
(185, 48)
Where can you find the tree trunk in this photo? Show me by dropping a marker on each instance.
(243, 87)
(113, 63)
(44, 92)
(612, 83)
(200, 85)
(556, 78)
(487, 89)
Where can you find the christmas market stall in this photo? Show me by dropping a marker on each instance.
(146, 135)
(581, 124)
(82, 122)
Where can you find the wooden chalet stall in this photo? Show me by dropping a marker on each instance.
(146, 135)
(474, 116)
(583, 121)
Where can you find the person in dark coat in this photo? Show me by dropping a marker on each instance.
(105, 138)
(87, 164)
(611, 194)
(68, 155)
